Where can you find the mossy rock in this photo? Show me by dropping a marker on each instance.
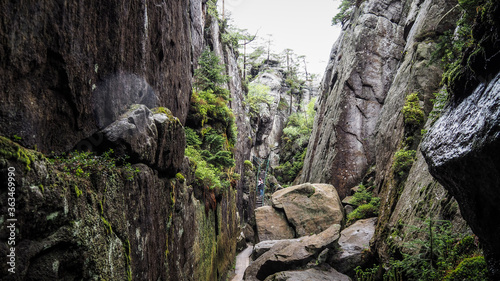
(13, 151)
(473, 268)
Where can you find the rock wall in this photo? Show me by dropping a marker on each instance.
(383, 55)
(68, 69)
(88, 76)
(354, 88)
(462, 147)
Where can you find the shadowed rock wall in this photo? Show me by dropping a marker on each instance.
(70, 68)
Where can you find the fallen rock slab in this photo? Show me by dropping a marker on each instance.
(310, 208)
(315, 274)
(272, 224)
(264, 246)
(354, 244)
(290, 254)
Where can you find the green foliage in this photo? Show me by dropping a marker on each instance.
(208, 108)
(210, 74)
(455, 49)
(368, 205)
(206, 174)
(192, 137)
(211, 130)
(78, 192)
(362, 196)
(440, 101)
(438, 252)
(403, 160)
(294, 140)
(473, 269)
(258, 94)
(364, 211)
(367, 274)
(346, 8)
(83, 164)
(248, 165)
(412, 112)
(212, 8)
(299, 126)
(180, 177)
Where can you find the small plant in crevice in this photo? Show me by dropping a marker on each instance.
(402, 162)
(412, 112)
(439, 102)
(368, 205)
(83, 164)
(346, 8)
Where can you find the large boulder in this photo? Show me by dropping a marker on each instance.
(272, 224)
(463, 150)
(354, 244)
(152, 139)
(315, 274)
(290, 254)
(310, 208)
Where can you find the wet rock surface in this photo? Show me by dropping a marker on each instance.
(462, 150)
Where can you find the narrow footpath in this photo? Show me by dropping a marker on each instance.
(242, 262)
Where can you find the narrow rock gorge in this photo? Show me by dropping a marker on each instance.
(136, 145)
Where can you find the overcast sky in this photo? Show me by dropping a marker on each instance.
(303, 26)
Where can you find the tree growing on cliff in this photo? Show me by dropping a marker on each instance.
(210, 74)
(346, 9)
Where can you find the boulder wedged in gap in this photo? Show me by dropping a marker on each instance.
(272, 224)
(310, 208)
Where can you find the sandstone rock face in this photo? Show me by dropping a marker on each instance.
(243, 145)
(354, 244)
(383, 55)
(68, 72)
(420, 195)
(462, 149)
(310, 208)
(289, 254)
(268, 124)
(146, 227)
(264, 246)
(353, 91)
(69, 62)
(309, 274)
(272, 224)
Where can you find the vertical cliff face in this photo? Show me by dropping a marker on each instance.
(354, 89)
(101, 76)
(383, 57)
(65, 65)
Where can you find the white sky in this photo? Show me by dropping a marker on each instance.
(303, 26)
